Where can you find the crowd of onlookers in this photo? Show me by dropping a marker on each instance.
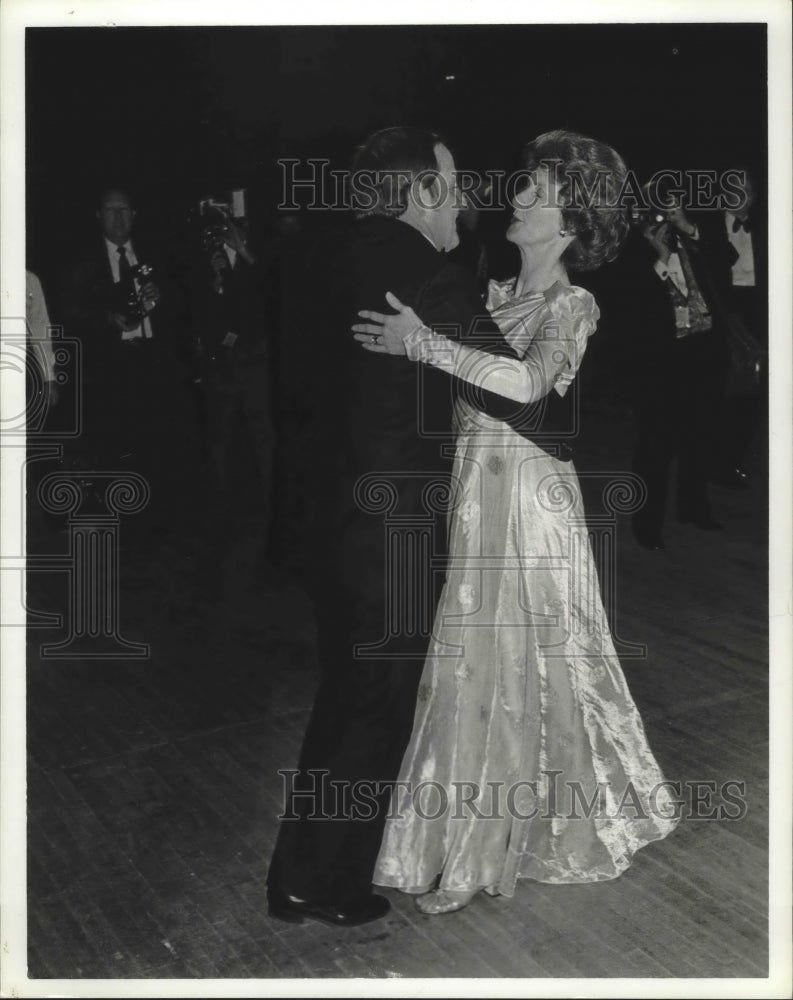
(196, 372)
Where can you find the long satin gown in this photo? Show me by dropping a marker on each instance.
(528, 757)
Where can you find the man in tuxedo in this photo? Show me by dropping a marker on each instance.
(388, 421)
(117, 300)
(666, 311)
(231, 291)
(744, 232)
(231, 323)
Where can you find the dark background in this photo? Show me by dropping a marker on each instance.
(178, 113)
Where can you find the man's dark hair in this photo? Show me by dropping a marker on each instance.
(107, 189)
(386, 166)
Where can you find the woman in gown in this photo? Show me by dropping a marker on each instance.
(528, 758)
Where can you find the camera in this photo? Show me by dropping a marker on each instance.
(214, 224)
(645, 216)
(142, 274)
(129, 301)
(212, 218)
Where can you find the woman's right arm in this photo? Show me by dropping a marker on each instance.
(525, 381)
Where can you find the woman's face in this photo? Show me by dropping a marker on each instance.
(537, 219)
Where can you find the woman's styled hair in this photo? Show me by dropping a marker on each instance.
(386, 166)
(590, 176)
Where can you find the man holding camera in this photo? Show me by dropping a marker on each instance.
(135, 294)
(231, 325)
(669, 316)
(114, 301)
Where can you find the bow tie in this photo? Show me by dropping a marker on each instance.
(742, 222)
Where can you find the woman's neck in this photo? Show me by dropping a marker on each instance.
(537, 274)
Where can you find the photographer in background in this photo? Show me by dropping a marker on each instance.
(231, 326)
(668, 319)
(118, 301)
(746, 229)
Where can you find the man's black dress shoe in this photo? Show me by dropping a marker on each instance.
(293, 909)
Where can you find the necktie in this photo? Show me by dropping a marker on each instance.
(125, 279)
(124, 266)
(741, 222)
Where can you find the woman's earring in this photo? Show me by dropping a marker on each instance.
(563, 232)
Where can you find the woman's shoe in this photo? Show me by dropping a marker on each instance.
(444, 901)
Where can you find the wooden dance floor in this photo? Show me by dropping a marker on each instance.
(153, 788)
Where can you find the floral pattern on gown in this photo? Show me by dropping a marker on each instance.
(528, 757)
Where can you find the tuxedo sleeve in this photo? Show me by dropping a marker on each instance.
(450, 303)
(545, 364)
(713, 254)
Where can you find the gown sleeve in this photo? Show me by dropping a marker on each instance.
(551, 359)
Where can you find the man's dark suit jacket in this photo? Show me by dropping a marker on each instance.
(640, 316)
(363, 712)
(127, 385)
(758, 222)
(88, 295)
(241, 308)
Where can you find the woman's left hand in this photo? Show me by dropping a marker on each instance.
(385, 334)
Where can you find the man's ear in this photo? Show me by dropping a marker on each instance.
(426, 195)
